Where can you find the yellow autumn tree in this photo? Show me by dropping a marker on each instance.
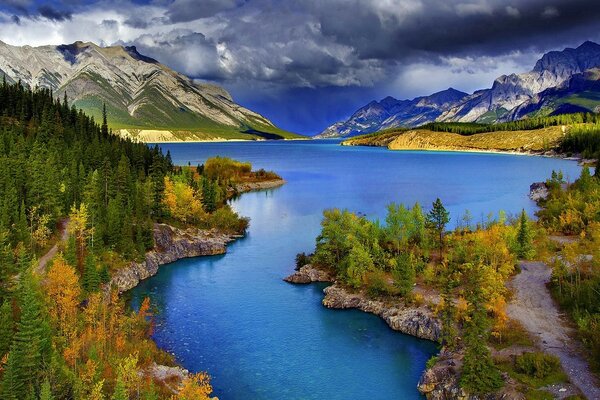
(78, 227)
(195, 387)
(62, 287)
(182, 202)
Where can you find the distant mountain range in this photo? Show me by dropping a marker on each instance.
(139, 92)
(561, 82)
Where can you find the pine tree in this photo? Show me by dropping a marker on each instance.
(45, 390)
(91, 279)
(479, 374)
(6, 327)
(104, 128)
(404, 274)
(448, 317)
(524, 238)
(31, 346)
(437, 219)
(120, 392)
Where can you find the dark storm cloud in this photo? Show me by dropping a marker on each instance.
(302, 48)
(441, 28)
(54, 14)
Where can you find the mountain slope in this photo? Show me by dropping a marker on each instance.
(560, 82)
(391, 112)
(511, 91)
(139, 92)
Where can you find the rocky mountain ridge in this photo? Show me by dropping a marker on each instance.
(561, 81)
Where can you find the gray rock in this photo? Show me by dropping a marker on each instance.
(171, 244)
(309, 274)
(538, 191)
(415, 321)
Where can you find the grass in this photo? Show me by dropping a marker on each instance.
(537, 140)
(513, 335)
(179, 124)
(555, 376)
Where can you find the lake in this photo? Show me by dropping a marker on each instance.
(262, 338)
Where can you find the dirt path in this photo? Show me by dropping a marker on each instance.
(533, 307)
(41, 267)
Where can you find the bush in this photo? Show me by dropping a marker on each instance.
(376, 284)
(228, 221)
(431, 362)
(537, 364)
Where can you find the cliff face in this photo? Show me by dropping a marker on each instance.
(171, 244)
(414, 321)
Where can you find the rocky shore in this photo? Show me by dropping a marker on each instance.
(416, 321)
(438, 382)
(171, 244)
(262, 185)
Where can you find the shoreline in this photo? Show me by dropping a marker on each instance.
(413, 320)
(223, 140)
(548, 154)
(173, 244)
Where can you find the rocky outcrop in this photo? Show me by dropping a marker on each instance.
(415, 321)
(309, 274)
(171, 244)
(538, 191)
(441, 381)
(251, 186)
(170, 377)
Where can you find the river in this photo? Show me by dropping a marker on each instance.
(261, 338)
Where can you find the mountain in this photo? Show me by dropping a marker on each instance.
(391, 112)
(139, 92)
(560, 82)
(579, 93)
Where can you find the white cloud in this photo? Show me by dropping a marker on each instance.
(550, 12)
(478, 8)
(513, 11)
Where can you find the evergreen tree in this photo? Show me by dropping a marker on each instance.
(448, 317)
(120, 392)
(479, 373)
(404, 274)
(437, 219)
(524, 238)
(6, 327)
(45, 390)
(31, 346)
(90, 279)
(104, 127)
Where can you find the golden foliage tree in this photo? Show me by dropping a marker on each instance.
(62, 286)
(182, 202)
(195, 387)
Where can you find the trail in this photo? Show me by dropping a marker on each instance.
(41, 267)
(534, 308)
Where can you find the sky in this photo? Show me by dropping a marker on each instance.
(306, 64)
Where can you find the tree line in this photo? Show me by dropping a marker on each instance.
(472, 128)
(61, 337)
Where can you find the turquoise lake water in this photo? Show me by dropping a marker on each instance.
(261, 338)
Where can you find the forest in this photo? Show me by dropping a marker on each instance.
(472, 128)
(64, 333)
(413, 254)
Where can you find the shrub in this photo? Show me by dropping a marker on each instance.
(431, 362)
(228, 221)
(537, 364)
(302, 259)
(376, 284)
